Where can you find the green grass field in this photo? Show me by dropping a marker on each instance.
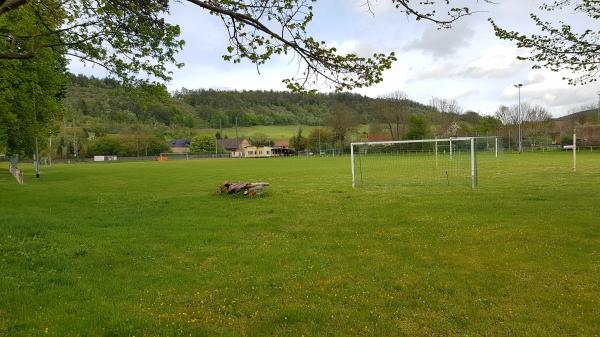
(145, 249)
(276, 132)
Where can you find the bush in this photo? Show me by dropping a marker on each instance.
(299, 142)
(203, 144)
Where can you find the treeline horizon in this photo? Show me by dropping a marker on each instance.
(213, 108)
(104, 116)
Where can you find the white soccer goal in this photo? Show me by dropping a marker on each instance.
(416, 162)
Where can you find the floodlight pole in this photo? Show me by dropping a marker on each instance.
(519, 118)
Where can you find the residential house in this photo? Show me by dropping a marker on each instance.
(589, 135)
(234, 146)
(281, 148)
(179, 146)
(258, 151)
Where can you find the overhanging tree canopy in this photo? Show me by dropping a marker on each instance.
(133, 37)
(31, 89)
(560, 46)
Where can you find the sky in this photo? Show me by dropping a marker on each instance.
(467, 63)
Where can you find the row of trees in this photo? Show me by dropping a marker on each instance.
(341, 126)
(535, 121)
(125, 146)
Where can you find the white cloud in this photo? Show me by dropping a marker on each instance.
(465, 94)
(352, 46)
(499, 61)
(549, 90)
(443, 43)
(439, 72)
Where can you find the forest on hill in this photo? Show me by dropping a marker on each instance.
(105, 100)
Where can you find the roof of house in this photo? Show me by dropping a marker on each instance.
(282, 143)
(230, 144)
(179, 143)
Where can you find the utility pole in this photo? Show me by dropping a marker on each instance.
(220, 132)
(65, 147)
(75, 143)
(236, 130)
(37, 146)
(319, 136)
(50, 150)
(519, 118)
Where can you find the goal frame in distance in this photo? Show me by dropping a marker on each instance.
(418, 141)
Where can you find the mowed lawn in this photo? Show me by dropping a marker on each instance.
(145, 249)
(276, 132)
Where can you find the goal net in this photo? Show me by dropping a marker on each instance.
(489, 147)
(450, 161)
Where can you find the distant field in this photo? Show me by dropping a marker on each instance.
(145, 249)
(274, 131)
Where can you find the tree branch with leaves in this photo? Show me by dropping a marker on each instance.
(132, 38)
(559, 46)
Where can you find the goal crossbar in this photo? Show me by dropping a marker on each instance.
(413, 141)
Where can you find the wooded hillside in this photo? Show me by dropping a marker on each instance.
(105, 100)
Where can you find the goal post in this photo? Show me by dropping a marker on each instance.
(473, 164)
(424, 161)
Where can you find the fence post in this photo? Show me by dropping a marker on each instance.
(574, 151)
(352, 160)
(436, 152)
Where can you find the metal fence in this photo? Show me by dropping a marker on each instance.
(554, 148)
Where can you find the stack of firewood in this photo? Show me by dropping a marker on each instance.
(247, 189)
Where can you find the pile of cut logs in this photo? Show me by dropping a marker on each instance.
(248, 189)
